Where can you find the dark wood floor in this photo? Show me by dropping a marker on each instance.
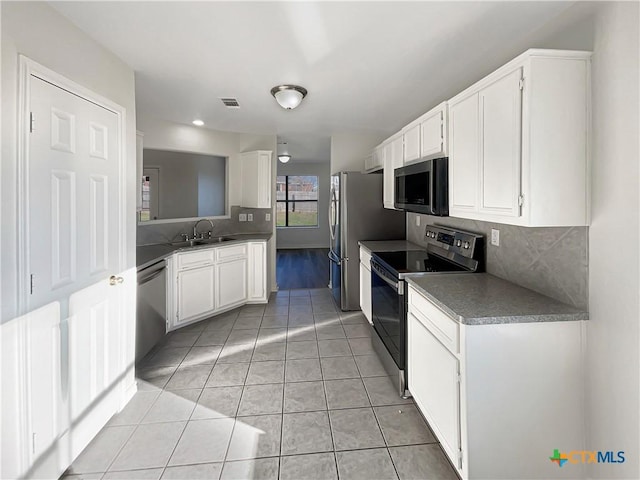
(307, 268)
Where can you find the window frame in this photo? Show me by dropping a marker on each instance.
(286, 202)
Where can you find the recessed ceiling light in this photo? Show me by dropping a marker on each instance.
(198, 123)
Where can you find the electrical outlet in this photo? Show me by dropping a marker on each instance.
(417, 220)
(267, 217)
(495, 237)
(250, 217)
(242, 217)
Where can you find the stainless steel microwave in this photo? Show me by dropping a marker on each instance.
(423, 187)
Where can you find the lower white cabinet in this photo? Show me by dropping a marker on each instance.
(195, 290)
(434, 375)
(365, 284)
(257, 273)
(500, 397)
(231, 280)
(208, 281)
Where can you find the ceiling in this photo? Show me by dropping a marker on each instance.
(370, 67)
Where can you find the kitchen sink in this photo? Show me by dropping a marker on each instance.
(201, 241)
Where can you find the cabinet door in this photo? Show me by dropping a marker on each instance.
(412, 142)
(500, 111)
(195, 293)
(231, 283)
(433, 382)
(264, 180)
(388, 179)
(365, 291)
(257, 272)
(432, 133)
(378, 158)
(256, 179)
(464, 151)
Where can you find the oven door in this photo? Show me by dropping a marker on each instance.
(389, 312)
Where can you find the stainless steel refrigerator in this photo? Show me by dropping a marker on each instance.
(356, 214)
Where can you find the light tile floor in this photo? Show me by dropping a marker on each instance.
(289, 390)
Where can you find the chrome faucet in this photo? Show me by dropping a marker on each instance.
(195, 227)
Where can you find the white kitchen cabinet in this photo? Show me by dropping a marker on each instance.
(425, 137)
(486, 388)
(365, 284)
(435, 384)
(196, 293)
(256, 179)
(375, 161)
(519, 142)
(211, 280)
(393, 158)
(231, 283)
(257, 280)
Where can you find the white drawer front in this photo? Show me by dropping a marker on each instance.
(365, 258)
(443, 327)
(195, 259)
(230, 252)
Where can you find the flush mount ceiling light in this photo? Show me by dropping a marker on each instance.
(289, 96)
(198, 123)
(284, 158)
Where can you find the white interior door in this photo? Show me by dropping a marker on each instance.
(74, 252)
(74, 224)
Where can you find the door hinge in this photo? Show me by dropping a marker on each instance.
(31, 120)
(33, 442)
(521, 84)
(520, 200)
(460, 458)
(31, 277)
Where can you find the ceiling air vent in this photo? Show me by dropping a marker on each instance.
(230, 102)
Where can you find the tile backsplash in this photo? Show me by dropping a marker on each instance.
(550, 260)
(169, 232)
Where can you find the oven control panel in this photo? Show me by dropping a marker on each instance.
(454, 241)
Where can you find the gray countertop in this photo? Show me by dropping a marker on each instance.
(147, 255)
(482, 299)
(388, 245)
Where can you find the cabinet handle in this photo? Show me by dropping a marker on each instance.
(114, 280)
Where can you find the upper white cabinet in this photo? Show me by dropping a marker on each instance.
(393, 158)
(426, 137)
(519, 142)
(256, 179)
(375, 161)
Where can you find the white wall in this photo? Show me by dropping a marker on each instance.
(613, 331)
(348, 150)
(37, 31)
(311, 237)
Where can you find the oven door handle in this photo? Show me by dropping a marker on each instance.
(397, 286)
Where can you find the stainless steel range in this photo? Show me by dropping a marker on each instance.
(448, 251)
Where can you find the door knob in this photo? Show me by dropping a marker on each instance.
(113, 280)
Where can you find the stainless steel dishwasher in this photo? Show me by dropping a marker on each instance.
(151, 323)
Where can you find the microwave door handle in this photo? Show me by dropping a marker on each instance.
(432, 178)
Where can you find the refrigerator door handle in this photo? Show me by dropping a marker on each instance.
(334, 258)
(332, 214)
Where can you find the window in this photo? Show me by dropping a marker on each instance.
(297, 201)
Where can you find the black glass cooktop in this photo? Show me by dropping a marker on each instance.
(414, 261)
